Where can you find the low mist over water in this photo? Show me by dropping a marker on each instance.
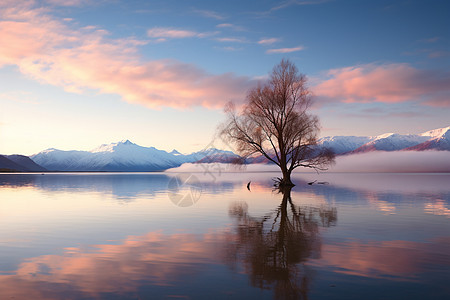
(371, 162)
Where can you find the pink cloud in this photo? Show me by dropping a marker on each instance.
(169, 32)
(285, 50)
(388, 83)
(68, 2)
(209, 14)
(77, 59)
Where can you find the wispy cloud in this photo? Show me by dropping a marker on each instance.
(429, 52)
(285, 50)
(230, 40)
(174, 33)
(288, 3)
(230, 26)
(268, 41)
(430, 40)
(69, 2)
(388, 83)
(438, 54)
(20, 97)
(382, 114)
(78, 59)
(229, 48)
(209, 14)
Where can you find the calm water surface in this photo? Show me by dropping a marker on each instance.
(159, 236)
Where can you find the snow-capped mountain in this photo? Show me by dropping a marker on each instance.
(343, 144)
(438, 139)
(123, 156)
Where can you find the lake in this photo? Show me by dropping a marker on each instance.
(206, 236)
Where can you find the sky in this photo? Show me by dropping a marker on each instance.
(79, 73)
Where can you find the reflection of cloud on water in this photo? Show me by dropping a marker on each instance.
(155, 258)
(381, 205)
(401, 260)
(167, 261)
(438, 208)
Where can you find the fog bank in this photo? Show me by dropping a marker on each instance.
(394, 162)
(372, 162)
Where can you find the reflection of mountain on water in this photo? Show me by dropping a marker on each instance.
(385, 192)
(400, 183)
(124, 186)
(120, 185)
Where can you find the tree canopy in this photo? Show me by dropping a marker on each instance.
(274, 122)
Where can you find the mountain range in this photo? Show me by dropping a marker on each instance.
(127, 156)
(437, 139)
(124, 156)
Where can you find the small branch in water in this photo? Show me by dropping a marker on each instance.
(276, 181)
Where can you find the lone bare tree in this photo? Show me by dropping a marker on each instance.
(275, 123)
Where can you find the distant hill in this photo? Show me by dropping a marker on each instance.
(19, 163)
(8, 165)
(26, 162)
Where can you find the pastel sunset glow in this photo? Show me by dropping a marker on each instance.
(80, 73)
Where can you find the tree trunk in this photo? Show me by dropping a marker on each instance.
(286, 180)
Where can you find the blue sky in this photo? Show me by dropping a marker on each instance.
(79, 73)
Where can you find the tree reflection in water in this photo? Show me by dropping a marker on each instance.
(272, 248)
